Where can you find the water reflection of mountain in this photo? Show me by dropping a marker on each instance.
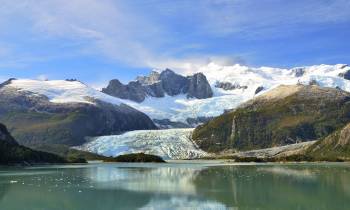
(176, 187)
(173, 180)
(249, 187)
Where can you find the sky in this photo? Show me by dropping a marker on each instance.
(98, 40)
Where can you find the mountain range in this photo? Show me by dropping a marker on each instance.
(232, 108)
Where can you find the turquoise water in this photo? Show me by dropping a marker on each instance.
(176, 186)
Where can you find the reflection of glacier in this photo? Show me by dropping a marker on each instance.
(175, 180)
(294, 173)
(169, 144)
(182, 202)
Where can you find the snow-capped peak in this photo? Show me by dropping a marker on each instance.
(233, 85)
(62, 91)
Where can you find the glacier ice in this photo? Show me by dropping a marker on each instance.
(169, 144)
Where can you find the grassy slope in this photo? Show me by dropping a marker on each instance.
(13, 153)
(34, 127)
(334, 147)
(274, 122)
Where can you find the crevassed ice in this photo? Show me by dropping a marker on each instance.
(169, 144)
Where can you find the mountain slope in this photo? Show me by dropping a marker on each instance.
(13, 153)
(64, 112)
(230, 86)
(284, 115)
(336, 146)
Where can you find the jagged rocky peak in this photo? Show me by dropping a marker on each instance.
(173, 84)
(199, 87)
(298, 72)
(259, 89)
(149, 80)
(160, 84)
(133, 90)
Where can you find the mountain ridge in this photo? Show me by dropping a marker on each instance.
(64, 112)
(232, 86)
(306, 113)
(160, 84)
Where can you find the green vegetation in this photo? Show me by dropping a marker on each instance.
(13, 153)
(310, 113)
(138, 157)
(31, 128)
(70, 154)
(335, 147)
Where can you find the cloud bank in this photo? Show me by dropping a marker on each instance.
(137, 33)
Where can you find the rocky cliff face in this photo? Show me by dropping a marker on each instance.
(34, 119)
(198, 87)
(284, 115)
(133, 91)
(160, 84)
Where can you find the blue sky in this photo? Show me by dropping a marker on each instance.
(97, 40)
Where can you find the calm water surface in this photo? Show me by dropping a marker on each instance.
(176, 186)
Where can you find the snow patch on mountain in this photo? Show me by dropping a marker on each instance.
(179, 108)
(169, 144)
(62, 91)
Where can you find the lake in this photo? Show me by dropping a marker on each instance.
(176, 186)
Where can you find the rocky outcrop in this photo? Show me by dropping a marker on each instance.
(199, 87)
(34, 120)
(259, 89)
(172, 83)
(229, 86)
(284, 115)
(133, 91)
(161, 84)
(298, 72)
(345, 75)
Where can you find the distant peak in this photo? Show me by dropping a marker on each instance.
(168, 71)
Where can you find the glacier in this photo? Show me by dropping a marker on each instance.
(168, 143)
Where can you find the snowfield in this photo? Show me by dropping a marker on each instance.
(62, 91)
(179, 108)
(169, 144)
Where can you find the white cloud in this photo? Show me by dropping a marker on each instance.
(42, 77)
(122, 32)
